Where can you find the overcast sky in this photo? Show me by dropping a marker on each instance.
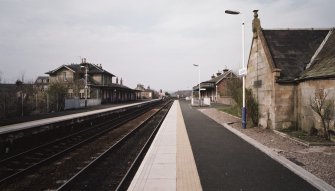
(153, 42)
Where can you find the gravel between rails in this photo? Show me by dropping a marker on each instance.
(318, 160)
(53, 175)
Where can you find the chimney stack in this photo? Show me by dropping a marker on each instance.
(256, 24)
(83, 60)
(218, 73)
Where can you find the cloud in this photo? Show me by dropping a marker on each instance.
(148, 41)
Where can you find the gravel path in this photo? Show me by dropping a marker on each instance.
(319, 160)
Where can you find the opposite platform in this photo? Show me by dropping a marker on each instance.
(169, 163)
(46, 121)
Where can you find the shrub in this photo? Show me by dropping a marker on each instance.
(234, 87)
(252, 107)
(324, 108)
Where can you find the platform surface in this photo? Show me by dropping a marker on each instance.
(40, 122)
(193, 152)
(169, 163)
(227, 162)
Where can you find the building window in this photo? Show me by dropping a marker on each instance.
(82, 93)
(64, 76)
(70, 93)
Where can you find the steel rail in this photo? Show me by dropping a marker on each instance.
(121, 120)
(123, 185)
(117, 144)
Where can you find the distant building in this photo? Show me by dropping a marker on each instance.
(161, 93)
(42, 83)
(286, 68)
(100, 86)
(144, 93)
(182, 93)
(216, 87)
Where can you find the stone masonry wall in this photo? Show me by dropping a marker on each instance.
(260, 80)
(307, 118)
(285, 106)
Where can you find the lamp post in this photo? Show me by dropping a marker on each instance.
(242, 71)
(86, 87)
(197, 65)
(216, 93)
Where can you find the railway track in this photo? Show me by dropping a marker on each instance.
(114, 169)
(14, 143)
(14, 167)
(51, 174)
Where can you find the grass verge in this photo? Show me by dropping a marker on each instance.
(302, 135)
(232, 110)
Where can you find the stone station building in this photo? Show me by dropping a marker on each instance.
(216, 88)
(286, 68)
(100, 86)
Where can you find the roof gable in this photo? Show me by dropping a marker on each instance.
(92, 69)
(63, 66)
(216, 80)
(323, 64)
(95, 69)
(292, 50)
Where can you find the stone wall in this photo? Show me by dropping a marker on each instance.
(59, 77)
(260, 80)
(227, 100)
(222, 87)
(284, 107)
(97, 78)
(307, 118)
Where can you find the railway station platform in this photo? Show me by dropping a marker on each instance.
(65, 116)
(169, 163)
(193, 152)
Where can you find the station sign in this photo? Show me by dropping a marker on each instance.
(242, 71)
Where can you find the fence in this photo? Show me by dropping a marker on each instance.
(202, 102)
(80, 103)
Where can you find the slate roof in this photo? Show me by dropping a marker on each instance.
(92, 69)
(212, 82)
(292, 50)
(323, 65)
(44, 80)
(220, 77)
(116, 86)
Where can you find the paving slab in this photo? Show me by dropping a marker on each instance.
(169, 164)
(227, 162)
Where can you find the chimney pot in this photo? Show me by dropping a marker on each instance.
(256, 24)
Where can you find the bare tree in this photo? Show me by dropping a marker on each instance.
(324, 108)
(21, 76)
(57, 92)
